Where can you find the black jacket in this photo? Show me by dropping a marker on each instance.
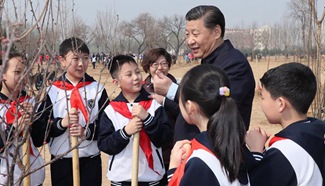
(242, 85)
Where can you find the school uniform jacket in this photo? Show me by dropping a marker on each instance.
(36, 161)
(202, 167)
(114, 141)
(54, 109)
(295, 156)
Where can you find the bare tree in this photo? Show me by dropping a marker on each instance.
(306, 13)
(142, 26)
(175, 31)
(252, 39)
(274, 40)
(156, 36)
(146, 32)
(137, 29)
(126, 36)
(265, 39)
(299, 12)
(284, 35)
(105, 31)
(317, 67)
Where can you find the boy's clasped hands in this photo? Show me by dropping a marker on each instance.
(256, 139)
(135, 125)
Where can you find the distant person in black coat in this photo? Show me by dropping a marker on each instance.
(205, 28)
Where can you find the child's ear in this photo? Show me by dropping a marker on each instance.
(190, 106)
(116, 83)
(3, 75)
(62, 61)
(282, 104)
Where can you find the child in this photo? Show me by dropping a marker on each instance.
(15, 112)
(74, 89)
(295, 154)
(132, 111)
(215, 155)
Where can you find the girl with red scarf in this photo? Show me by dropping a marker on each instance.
(16, 109)
(215, 155)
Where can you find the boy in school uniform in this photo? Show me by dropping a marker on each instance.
(74, 89)
(296, 154)
(132, 111)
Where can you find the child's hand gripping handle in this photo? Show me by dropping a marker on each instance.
(75, 157)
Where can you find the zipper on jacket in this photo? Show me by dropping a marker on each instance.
(111, 164)
(160, 158)
(51, 142)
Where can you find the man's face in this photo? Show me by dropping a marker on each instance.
(201, 40)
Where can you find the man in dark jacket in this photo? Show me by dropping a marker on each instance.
(205, 28)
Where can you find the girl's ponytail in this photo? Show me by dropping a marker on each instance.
(226, 131)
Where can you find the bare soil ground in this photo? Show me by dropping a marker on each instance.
(178, 70)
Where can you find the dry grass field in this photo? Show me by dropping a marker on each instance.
(178, 70)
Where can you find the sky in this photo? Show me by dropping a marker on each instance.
(236, 12)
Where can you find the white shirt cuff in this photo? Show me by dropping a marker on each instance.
(172, 91)
(163, 102)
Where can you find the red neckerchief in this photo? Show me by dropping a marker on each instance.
(275, 139)
(75, 97)
(13, 111)
(145, 143)
(179, 172)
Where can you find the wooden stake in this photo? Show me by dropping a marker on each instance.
(26, 158)
(75, 158)
(135, 159)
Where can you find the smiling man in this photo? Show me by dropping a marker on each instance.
(205, 28)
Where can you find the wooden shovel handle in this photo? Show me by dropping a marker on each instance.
(135, 159)
(75, 159)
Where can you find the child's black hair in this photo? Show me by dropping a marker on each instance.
(294, 81)
(117, 62)
(12, 54)
(73, 44)
(225, 128)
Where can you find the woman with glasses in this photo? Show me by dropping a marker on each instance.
(158, 60)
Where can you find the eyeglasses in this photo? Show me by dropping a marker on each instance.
(162, 64)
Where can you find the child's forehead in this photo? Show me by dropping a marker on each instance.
(128, 65)
(16, 61)
(76, 53)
